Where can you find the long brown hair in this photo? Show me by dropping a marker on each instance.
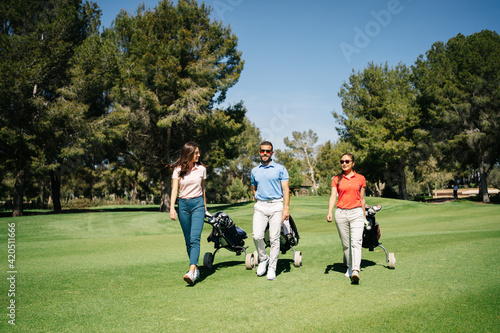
(342, 172)
(187, 153)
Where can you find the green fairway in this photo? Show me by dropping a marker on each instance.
(120, 270)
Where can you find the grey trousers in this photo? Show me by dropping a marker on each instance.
(350, 224)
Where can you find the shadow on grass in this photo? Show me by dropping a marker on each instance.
(207, 272)
(284, 266)
(339, 267)
(134, 208)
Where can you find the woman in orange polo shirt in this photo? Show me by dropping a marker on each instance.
(350, 214)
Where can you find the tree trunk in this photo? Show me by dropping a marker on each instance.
(166, 177)
(134, 186)
(311, 172)
(166, 185)
(379, 187)
(17, 210)
(88, 192)
(55, 184)
(403, 194)
(483, 189)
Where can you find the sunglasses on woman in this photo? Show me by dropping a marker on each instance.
(345, 161)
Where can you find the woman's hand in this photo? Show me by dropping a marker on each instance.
(329, 218)
(173, 214)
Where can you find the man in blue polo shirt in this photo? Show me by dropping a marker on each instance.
(271, 192)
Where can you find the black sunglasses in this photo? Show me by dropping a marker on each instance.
(262, 151)
(345, 161)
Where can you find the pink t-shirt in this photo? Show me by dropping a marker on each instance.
(190, 184)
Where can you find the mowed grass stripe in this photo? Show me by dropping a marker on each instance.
(121, 271)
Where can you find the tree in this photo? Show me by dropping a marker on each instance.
(222, 135)
(294, 167)
(240, 167)
(381, 118)
(81, 127)
(302, 146)
(459, 86)
(176, 65)
(37, 41)
(327, 162)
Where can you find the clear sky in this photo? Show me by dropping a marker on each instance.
(298, 53)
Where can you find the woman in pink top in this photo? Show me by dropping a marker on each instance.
(188, 178)
(350, 214)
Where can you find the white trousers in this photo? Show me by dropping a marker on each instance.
(350, 224)
(268, 212)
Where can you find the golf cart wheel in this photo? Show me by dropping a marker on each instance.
(208, 260)
(256, 257)
(392, 260)
(297, 258)
(249, 261)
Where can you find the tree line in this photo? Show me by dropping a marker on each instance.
(102, 114)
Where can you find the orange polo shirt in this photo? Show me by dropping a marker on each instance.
(349, 190)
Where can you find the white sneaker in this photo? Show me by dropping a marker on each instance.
(190, 277)
(197, 276)
(271, 274)
(261, 270)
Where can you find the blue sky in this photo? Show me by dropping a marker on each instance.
(298, 53)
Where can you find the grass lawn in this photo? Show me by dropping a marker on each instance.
(120, 270)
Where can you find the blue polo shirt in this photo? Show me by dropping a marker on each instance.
(268, 180)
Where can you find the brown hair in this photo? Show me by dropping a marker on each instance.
(187, 153)
(267, 143)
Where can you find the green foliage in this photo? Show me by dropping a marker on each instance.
(380, 118)
(459, 86)
(494, 177)
(327, 163)
(237, 191)
(302, 148)
(37, 41)
(294, 167)
(176, 65)
(245, 156)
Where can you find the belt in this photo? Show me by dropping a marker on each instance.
(349, 208)
(271, 200)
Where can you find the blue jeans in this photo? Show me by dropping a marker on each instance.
(191, 218)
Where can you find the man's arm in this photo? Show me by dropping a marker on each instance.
(286, 200)
(254, 190)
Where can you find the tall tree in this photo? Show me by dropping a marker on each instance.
(177, 65)
(96, 131)
(459, 85)
(37, 41)
(381, 117)
(302, 146)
